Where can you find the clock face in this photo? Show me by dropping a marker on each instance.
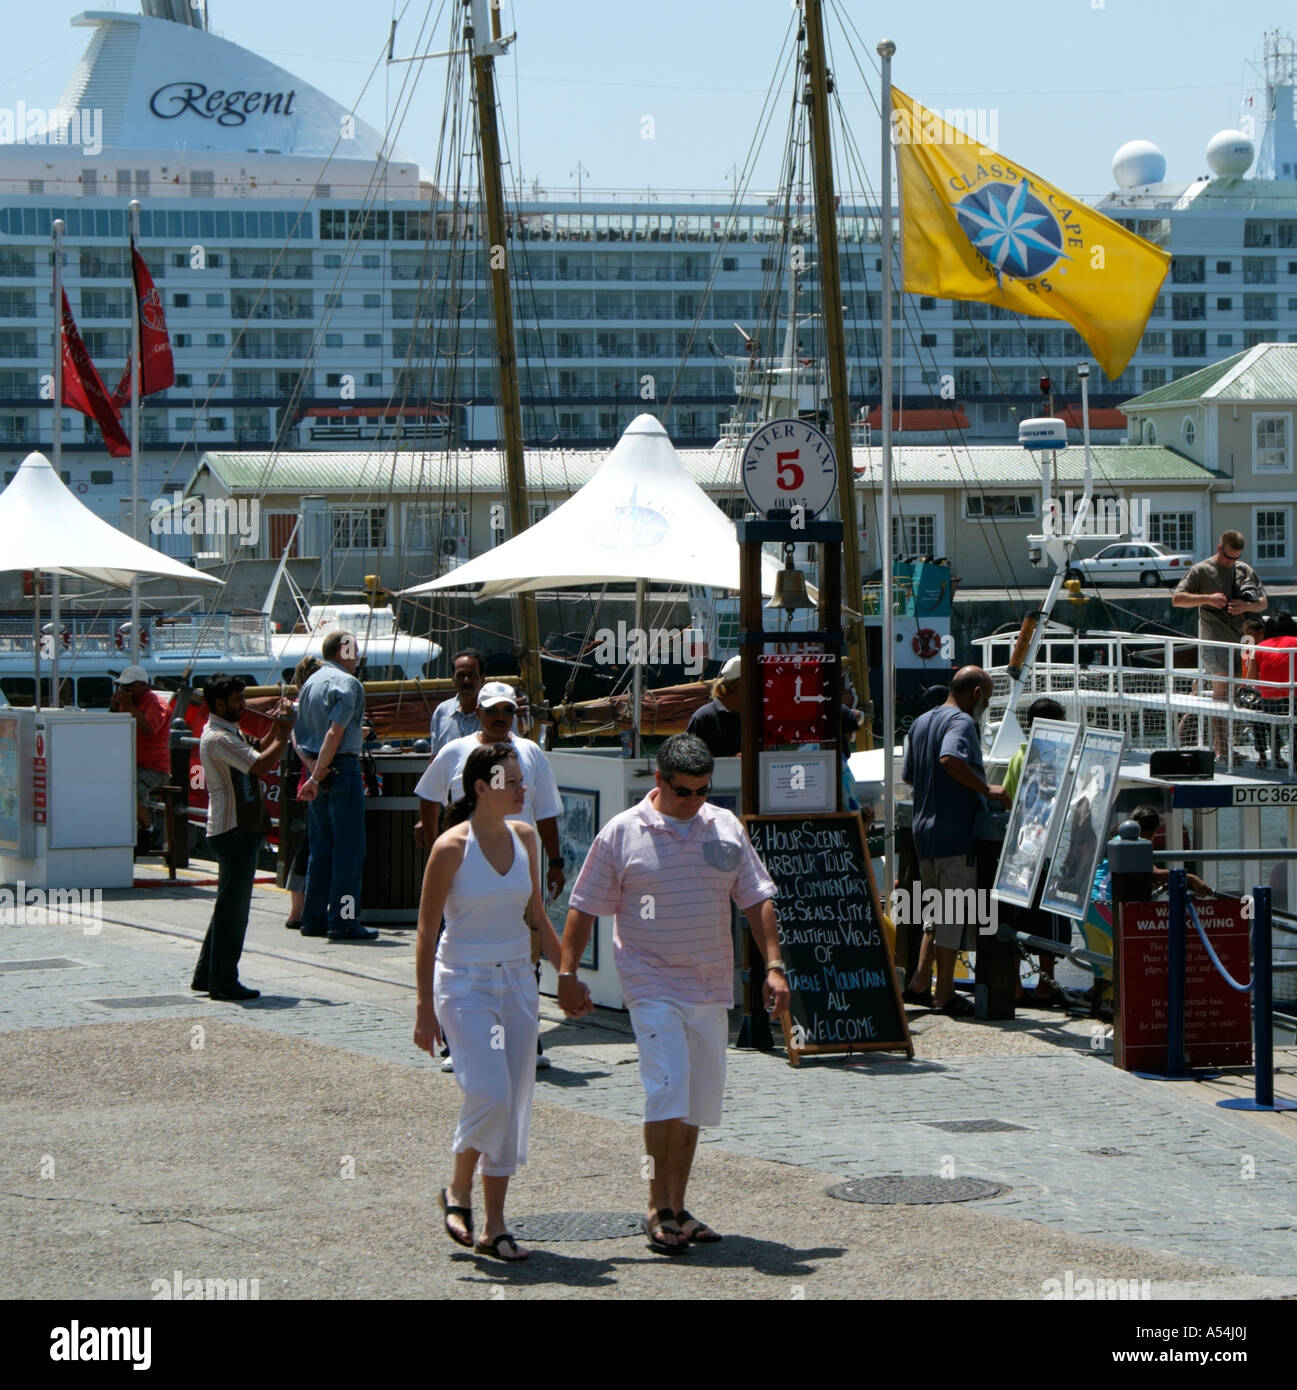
(789, 463)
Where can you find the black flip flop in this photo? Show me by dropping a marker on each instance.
(957, 1007)
(492, 1248)
(443, 1201)
(683, 1216)
(664, 1214)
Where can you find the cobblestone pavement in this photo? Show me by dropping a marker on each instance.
(1085, 1149)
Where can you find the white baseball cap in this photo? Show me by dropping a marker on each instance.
(132, 674)
(496, 693)
(732, 669)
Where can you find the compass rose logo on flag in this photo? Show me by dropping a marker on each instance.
(151, 309)
(1012, 228)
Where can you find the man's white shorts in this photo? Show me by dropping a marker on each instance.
(681, 1059)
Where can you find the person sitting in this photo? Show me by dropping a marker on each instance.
(1149, 820)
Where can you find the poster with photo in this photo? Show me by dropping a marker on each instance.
(1083, 828)
(577, 827)
(1042, 790)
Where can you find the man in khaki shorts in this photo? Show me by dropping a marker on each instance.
(1224, 590)
(943, 763)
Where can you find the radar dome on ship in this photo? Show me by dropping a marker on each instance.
(1229, 154)
(1137, 163)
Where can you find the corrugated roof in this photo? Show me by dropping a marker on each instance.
(559, 472)
(1267, 372)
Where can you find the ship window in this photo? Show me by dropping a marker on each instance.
(216, 340)
(373, 340)
(372, 301)
(101, 477)
(333, 340)
(1224, 340)
(1223, 267)
(94, 692)
(1225, 303)
(332, 261)
(373, 378)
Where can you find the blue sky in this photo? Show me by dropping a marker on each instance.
(1065, 82)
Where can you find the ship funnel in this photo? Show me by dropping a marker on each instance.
(177, 11)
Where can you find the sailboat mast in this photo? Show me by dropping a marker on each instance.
(826, 231)
(484, 50)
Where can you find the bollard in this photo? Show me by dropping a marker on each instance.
(1178, 895)
(1131, 862)
(996, 973)
(1262, 1003)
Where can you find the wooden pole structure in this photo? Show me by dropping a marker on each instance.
(826, 233)
(484, 46)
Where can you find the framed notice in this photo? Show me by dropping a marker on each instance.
(1041, 791)
(17, 782)
(577, 827)
(799, 782)
(1082, 830)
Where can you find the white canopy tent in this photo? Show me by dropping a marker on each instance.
(640, 518)
(45, 529)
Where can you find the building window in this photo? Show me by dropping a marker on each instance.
(215, 300)
(332, 261)
(1150, 432)
(373, 340)
(1174, 529)
(216, 378)
(1224, 340)
(1270, 529)
(216, 340)
(1270, 452)
(360, 528)
(372, 301)
(371, 262)
(537, 511)
(914, 535)
(1188, 432)
(180, 301)
(333, 340)
(373, 379)
(442, 530)
(997, 506)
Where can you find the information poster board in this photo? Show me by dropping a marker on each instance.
(1217, 1019)
(1042, 789)
(845, 997)
(1083, 828)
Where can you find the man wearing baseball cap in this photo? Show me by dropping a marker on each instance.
(134, 696)
(443, 783)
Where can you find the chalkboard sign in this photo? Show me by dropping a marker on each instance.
(840, 973)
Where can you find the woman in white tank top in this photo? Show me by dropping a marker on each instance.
(480, 992)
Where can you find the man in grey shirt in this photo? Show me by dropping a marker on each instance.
(1224, 590)
(331, 710)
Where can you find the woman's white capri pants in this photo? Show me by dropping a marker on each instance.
(490, 1014)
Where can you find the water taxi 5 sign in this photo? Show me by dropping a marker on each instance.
(788, 464)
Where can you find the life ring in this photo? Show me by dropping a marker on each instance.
(83, 487)
(926, 643)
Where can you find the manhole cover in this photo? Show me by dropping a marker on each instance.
(923, 1191)
(1109, 1153)
(972, 1126)
(52, 963)
(145, 1001)
(559, 1226)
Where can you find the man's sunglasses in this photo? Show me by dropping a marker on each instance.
(685, 792)
(1220, 550)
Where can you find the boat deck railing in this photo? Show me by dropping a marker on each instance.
(1155, 690)
(194, 635)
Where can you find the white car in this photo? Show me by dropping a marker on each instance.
(1132, 562)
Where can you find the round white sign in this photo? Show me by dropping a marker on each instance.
(789, 463)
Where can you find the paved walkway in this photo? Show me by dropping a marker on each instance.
(153, 1130)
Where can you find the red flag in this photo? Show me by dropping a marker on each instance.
(157, 367)
(83, 389)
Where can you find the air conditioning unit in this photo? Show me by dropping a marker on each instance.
(455, 547)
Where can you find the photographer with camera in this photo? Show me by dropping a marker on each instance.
(1224, 590)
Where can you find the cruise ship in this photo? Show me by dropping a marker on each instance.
(322, 291)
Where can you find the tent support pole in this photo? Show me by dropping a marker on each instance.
(637, 688)
(36, 636)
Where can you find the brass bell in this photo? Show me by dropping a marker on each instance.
(790, 586)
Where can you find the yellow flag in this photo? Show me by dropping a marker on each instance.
(975, 225)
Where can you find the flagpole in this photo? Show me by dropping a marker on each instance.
(885, 50)
(57, 451)
(136, 379)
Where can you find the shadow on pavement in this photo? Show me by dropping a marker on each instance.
(557, 1076)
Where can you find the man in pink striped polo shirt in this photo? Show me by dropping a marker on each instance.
(669, 868)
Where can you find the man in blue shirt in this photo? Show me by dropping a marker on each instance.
(943, 763)
(457, 717)
(330, 712)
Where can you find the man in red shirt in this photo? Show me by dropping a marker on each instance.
(133, 696)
